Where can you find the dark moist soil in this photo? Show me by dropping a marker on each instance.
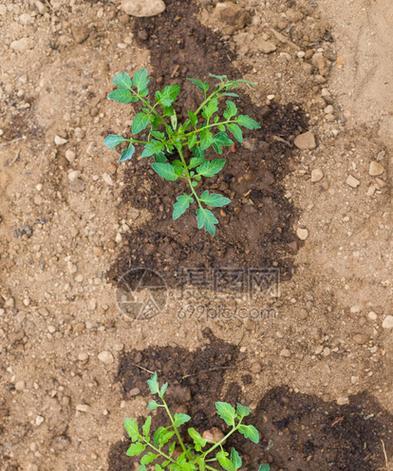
(300, 432)
(256, 229)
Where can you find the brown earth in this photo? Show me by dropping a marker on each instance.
(314, 359)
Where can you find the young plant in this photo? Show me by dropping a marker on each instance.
(167, 448)
(179, 148)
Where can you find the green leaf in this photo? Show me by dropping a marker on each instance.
(219, 77)
(168, 95)
(127, 153)
(226, 412)
(215, 200)
(197, 438)
(211, 167)
(163, 389)
(236, 458)
(206, 220)
(250, 432)
(121, 95)
(151, 148)
(242, 411)
(181, 205)
(224, 461)
(157, 467)
(141, 80)
(193, 118)
(248, 122)
(131, 427)
(122, 80)
(149, 458)
(210, 108)
(142, 467)
(195, 161)
(222, 139)
(181, 419)
(230, 110)
(231, 94)
(207, 139)
(236, 131)
(136, 449)
(165, 436)
(153, 405)
(203, 86)
(146, 427)
(153, 384)
(165, 170)
(264, 467)
(157, 434)
(192, 140)
(140, 122)
(113, 140)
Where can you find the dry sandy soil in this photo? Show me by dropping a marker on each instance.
(318, 367)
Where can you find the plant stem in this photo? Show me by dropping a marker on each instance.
(157, 450)
(181, 443)
(188, 176)
(229, 121)
(212, 95)
(223, 440)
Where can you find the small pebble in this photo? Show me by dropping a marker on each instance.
(375, 169)
(352, 181)
(316, 175)
(388, 322)
(106, 357)
(305, 141)
(302, 233)
(60, 141)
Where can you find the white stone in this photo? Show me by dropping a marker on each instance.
(316, 175)
(60, 141)
(106, 357)
(388, 322)
(142, 8)
(352, 181)
(302, 233)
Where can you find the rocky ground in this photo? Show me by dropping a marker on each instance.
(64, 222)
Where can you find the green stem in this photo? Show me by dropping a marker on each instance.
(229, 121)
(188, 176)
(146, 103)
(157, 450)
(212, 95)
(173, 425)
(223, 440)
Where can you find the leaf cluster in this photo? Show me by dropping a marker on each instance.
(164, 448)
(181, 150)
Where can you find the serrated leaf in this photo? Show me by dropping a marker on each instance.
(151, 148)
(215, 200)
(250, 432)
(181, 419)
(165, 437)
(149, 458)
(158, 432)
(247, 122)
(140, 122)
(223, 140)
(242, 411)
(192, 140)
(236, 132)
(153, 405)
(113, 140)
(224, 461)
(122, 80)
(197, 438)
(226, 412)
(236, 458)
(121, 95)
(203, 86)
(193, 118)
(195, 161)
(152, 382)
(131, 427)
(211, 167)
(146, 427)
(264, 467)
(136, 449)
(206, 138)
(141, 80)
(163, 389)
(165, 170)
(230, 110)
(210, 108)
(181, 205)
(206, 220)
(168, 95)
(127, 153)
